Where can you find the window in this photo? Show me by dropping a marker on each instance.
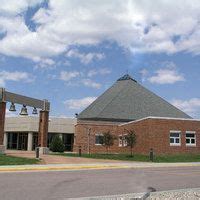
(190, 138)
(125, 143)
(98, 139)
(122, 141)
(175, 139)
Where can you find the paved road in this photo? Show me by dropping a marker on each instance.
(65, 184)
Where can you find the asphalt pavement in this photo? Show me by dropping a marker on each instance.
(61, 185)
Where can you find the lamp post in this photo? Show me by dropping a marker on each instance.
(43, 105)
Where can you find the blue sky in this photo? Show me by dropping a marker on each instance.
(70, 52)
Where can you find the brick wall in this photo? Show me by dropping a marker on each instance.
(82, 139)
(159, 134)
(150, 133)
(2, 120)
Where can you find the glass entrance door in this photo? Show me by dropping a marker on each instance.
(22, 141)
(68, 140)
(12, 140)
(35, 140)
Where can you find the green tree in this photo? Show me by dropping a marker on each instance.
(57, 144)
(108, 140)
(131, 140)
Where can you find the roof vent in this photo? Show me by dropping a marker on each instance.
(126, 77)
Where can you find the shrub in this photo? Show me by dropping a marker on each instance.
(131, 140)
(108, 140)
(57, 144)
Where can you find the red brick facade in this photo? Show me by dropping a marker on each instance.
(43, 128)
(2, 120)
(150, 133)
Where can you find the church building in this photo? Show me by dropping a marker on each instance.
(127, 105)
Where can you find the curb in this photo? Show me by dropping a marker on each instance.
(60, 168)
(131, 196)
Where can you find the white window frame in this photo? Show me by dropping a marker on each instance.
(190, 144)
(122, 141)
(175, 144)
(125, 143)
(98, 134)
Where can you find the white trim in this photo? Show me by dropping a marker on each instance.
(194, 132)
(98, 134)
(124, 139)
(190, 144)
(175, 131)
(175, 144)
(167, 118)
(120, 140)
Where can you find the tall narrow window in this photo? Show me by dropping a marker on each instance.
(125, 143)
(120, 141)
(175, 138)
(190, 138)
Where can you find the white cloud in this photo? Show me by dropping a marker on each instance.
(80, 77)
(19, 41)
(166, 76)
(91, 83)
(46, 63)
(77, 104)
(191, 106)
(85, 58)
(102, 71)
(144, 73)
(15, 7)
(14, 76)
(140, 26)
(68, 75)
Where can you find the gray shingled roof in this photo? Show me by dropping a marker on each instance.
(127, 100)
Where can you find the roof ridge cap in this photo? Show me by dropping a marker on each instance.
(126, 77)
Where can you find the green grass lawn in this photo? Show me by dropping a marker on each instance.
(144, 158)
(11, 160)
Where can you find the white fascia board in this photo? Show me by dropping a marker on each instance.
(166, 118)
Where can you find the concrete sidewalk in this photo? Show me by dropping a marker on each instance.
(56, 159)
(90, 166)
(186, 194)
(56, 162)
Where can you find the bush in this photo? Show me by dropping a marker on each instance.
(108, 140)
(131, 140)
(57, 144)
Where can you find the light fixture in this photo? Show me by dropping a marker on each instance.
(34, 111)
(23, 111)
(12, 107)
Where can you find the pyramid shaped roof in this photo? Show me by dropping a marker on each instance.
(127, 100)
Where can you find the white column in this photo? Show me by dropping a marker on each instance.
(30, 141)
(61, 136)
(5, 140)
